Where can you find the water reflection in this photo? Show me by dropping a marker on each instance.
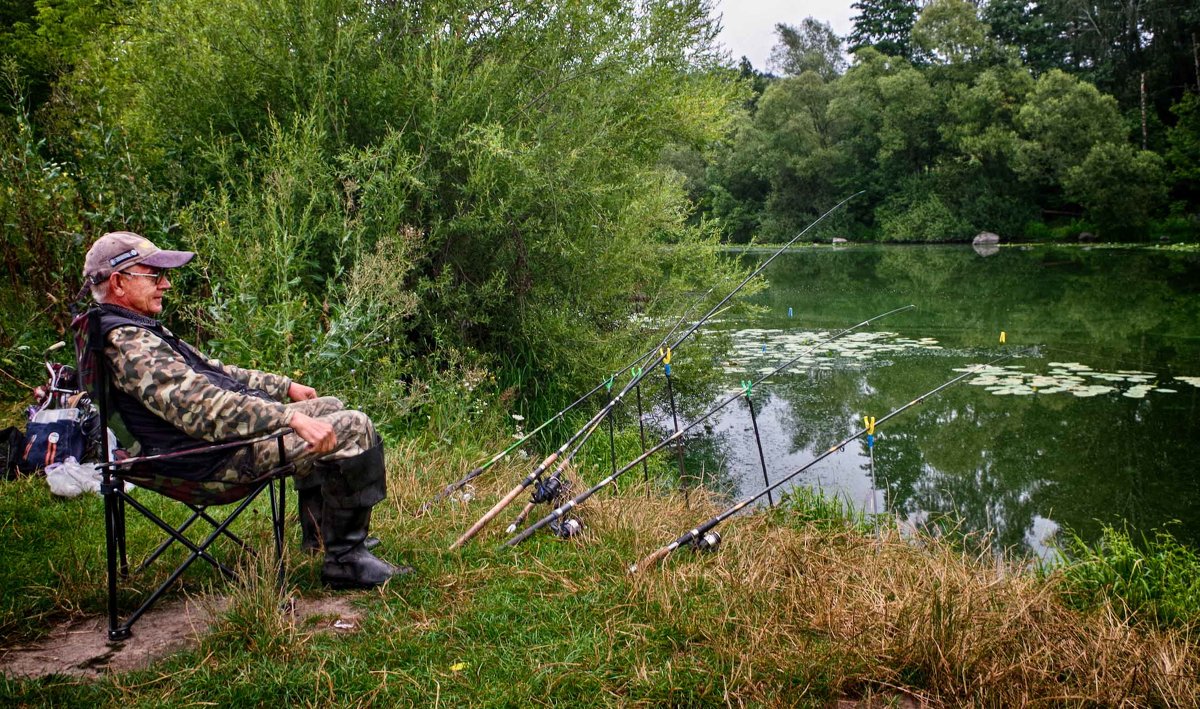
(1095, 423)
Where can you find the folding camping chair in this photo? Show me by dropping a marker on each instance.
(94, 374)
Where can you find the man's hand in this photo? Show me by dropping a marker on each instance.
(318, 434)
(300, 392)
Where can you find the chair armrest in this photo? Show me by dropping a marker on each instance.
(129, 462)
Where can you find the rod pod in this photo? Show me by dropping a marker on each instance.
(594, 422)
(582, 497)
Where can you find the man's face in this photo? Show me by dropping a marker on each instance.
(140, 288)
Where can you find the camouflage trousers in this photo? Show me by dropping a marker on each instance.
(354, 430)
(355, 435)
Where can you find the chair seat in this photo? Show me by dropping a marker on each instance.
(198, 492)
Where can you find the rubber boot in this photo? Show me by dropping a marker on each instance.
(311, 512)
(351, 486)
(348, 564)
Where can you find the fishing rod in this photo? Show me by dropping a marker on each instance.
(583, 496)
(483, 467)
(552, 488)
(592, 423)
(701, 537)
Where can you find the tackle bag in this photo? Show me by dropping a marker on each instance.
(52, 436)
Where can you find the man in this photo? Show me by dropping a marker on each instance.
(172, 398)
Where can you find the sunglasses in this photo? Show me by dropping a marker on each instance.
(158, 277)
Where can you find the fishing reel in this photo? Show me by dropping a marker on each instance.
(548, 490)
(566, 527)
(709, 541)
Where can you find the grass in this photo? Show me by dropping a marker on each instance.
(1155, 581)
(793, 610)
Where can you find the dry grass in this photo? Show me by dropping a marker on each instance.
(927, 621)
(882, 616)
(785, 613)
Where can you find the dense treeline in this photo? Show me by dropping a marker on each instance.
(376, 190)
(1032, 120)
(381, 190)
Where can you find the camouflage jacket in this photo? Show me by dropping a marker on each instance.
(148, 369)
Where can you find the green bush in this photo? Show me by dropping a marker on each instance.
(379, 191)
(1155, 579)
(921, 217)
(1177, 228)
(1120, 187)
(1037, 231)
(530, 189)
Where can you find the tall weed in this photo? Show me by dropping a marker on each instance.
(1155, 580)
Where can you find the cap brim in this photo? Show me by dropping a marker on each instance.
(168, 259)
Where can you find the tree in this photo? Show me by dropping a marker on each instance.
(949, 32)
(812, 46)
(1183, 155)
(977, 169)
(884, 25)
(45, 37)
(1143, 52)
(1028, 28)
(1062, 119)
(799, 156)
(1120, 186)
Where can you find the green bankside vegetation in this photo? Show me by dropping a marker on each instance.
(1155, 579)
(798, 607)
(449, 212)
(386, 198)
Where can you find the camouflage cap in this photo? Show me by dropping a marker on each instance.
(118, 250)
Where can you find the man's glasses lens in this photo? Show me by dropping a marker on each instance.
(158, 277)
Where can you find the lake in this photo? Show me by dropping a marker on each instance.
(1092, 422)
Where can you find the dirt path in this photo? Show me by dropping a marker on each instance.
(80, 648)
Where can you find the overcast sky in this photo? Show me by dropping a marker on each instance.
(749, 25)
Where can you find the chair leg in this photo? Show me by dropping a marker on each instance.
(198, 551)
(111, 529)
(167, 543)
(201, 549)
(278, 493)
(114, 505)
(120, 527)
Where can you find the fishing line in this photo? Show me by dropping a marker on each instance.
(702, 530)
(578, 499)
(594, 422)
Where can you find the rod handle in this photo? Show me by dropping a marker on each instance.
(651, 560)
(545, 464)
(521, 517)
(488, 517)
